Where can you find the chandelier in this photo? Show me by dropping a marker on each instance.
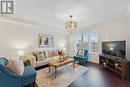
(71, 25)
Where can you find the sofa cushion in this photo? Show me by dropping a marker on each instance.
(29, 75)
(29, 71)
(52, 53)
(44, 62)
(16, 66)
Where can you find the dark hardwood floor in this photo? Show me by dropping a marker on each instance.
(98, 77)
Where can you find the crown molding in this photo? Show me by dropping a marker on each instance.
(30, 23)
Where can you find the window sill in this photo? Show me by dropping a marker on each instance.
(94, 53)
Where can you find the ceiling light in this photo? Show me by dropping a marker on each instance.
(71, 25)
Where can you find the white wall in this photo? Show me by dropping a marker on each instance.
(112, 30)
(71, 45)
(15, 37)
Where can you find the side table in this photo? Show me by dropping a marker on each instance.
(26, 62)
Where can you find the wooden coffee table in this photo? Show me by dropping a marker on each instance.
(56, 64)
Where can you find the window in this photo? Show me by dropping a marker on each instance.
(87, 41)
(93, 41)
(79, 41)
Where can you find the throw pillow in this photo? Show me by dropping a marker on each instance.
(44, 53)
(16, 66)
(39, 55)
(81, 52)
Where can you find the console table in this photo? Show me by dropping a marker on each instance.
(117, 65)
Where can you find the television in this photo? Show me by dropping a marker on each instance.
(114, 48)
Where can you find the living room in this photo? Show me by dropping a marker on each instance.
(40, 48)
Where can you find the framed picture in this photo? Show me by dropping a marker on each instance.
(46, 40)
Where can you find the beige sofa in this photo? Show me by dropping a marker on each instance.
(40, 58)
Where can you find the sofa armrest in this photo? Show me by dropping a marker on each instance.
(32, 60)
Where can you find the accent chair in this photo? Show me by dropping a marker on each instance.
(81, 58)
(9, 79)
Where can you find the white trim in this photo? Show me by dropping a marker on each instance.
(94, 53)
(30, 23)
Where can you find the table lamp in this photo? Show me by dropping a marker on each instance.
(20, 54)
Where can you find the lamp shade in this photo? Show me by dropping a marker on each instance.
(64, 49)
(21, 53)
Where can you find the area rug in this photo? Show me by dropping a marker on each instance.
(65, 76)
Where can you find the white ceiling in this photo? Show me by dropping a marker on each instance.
(56, 12)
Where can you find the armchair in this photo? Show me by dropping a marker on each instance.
(9, 79)
(82, 59)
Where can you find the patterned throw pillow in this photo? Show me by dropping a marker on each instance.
(39, 55)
